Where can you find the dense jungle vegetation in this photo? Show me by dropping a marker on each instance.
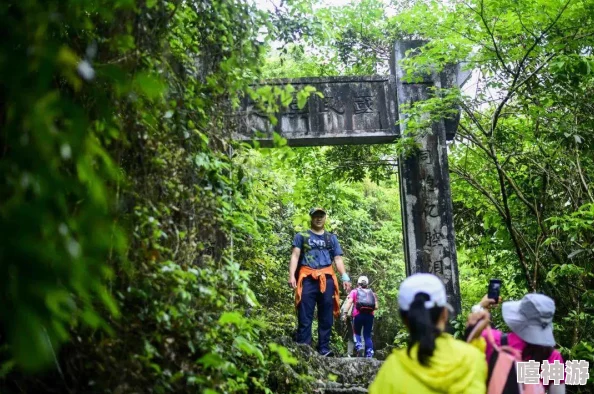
(144, 251)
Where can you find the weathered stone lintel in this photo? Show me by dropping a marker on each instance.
(356, 138)
(323, 80)
(354, 110)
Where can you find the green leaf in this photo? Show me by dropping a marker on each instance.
(278, 140)
(149, 84)
(251, 298)
(30, 341)
(211, 360)
(284, 354)
(67, 57)
(60, 303)
(6, 367)
(231, 318)
(125, 4)
(124, 43)
(301, 100)
(248, 347)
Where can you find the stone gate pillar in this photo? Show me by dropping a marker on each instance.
(426, 202)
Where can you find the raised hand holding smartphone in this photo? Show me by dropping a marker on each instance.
(494, 289)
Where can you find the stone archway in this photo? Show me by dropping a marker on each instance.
(364, 110)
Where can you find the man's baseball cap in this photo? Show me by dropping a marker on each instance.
(316, 209)
(423, 283)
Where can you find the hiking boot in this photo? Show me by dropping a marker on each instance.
(369, 353)
(327, 353)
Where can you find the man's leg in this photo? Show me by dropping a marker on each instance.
(357, 327)
(325, 316)
(367, 332)
(305, 310)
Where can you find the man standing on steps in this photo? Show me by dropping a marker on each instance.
(314, 281)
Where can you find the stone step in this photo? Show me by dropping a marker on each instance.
(338, 388)
(330, 374)
(353, 375)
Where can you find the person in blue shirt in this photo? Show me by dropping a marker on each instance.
(315, 283)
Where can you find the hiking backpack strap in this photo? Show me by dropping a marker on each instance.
(501, 371)
(304, 236)
(502, 376)
(305, 247)
(329, 244)
(523, 388)
(305, 241)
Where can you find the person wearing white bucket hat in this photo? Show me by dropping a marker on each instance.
(531, 323)
(433, 362)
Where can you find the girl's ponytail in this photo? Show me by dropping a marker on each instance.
(422, 327)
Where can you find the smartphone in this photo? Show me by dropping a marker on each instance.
(493, 291)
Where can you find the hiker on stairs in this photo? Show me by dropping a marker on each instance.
(365, 302)
(433, 362)
(314, 281)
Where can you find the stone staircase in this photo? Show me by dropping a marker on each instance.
(353, 375)
(324, 375)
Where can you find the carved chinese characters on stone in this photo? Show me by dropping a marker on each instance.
(431, 210)
(363, 104)
(333, 104)
(433, 238)
(425, 156)
(352, 110)
(429, 183)
(435, 247)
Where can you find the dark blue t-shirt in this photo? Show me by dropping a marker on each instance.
(318, 255)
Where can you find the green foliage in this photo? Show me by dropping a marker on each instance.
(365, 216)
(113, 124)
(520, 184)
(142, 252)
(54, 190)
(271, 99)
(521, 194)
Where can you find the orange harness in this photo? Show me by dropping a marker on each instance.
(318, 274)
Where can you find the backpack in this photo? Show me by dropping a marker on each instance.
(365, 300)
(306, 247)
(503, 378)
